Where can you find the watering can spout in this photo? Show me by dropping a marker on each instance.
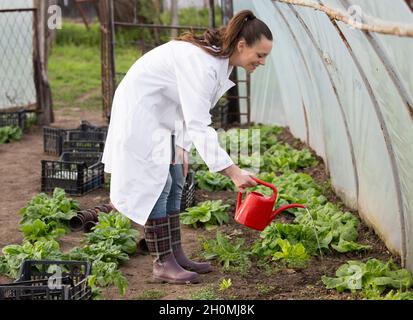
(285, 207)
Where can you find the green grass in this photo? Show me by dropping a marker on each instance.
(151, 295)
(263, 289)
(74, 62)
(206, 293)
(77, 34)
(75, 74)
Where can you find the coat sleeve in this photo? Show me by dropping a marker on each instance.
(196, 80)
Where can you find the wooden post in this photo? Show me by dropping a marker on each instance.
(40, 62)
(107, 55)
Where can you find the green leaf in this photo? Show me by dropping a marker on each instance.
(206, 214)
(347, 246)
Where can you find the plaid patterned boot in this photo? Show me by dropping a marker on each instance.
(165, 267)
(181, 258)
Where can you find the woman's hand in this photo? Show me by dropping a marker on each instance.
(182, 156)
(241, 178)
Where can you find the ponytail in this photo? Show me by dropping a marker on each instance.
(222, 42)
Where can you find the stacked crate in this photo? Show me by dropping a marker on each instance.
(79, 168)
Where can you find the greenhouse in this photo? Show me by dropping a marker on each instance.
(206, 150)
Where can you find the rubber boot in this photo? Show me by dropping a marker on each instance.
(165, 267)
(181, 258)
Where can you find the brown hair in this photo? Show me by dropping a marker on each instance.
(223, 41)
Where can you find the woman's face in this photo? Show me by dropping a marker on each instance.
(250, 58)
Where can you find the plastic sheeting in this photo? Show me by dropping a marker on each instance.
(17, 86)
(347, 94)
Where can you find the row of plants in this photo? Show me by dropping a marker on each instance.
(45, 219)
(317, 230)
(292, 245)
(253, 148)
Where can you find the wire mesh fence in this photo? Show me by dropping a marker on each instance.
(17, 47)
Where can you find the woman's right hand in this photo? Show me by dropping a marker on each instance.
(241, 178)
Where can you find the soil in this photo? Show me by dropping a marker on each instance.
(20, 172)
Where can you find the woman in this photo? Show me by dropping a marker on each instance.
(170, 91)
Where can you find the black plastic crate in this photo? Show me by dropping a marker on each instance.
(79, 135)
(87, 126)
(188, 192)
(54, 138)
(12, 118)
(83, 146)
(76, 172)
(50, 280)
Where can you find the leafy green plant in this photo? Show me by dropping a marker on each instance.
(105, 251)
(225, 284)
(109, 244)
(267, 245)
(39, 230)
(247, 140)
(106, 257)
(206, 214)
(116, 227)
(391, 295)
(232, 257)
(14, 255)
(107, 273)
(213, 181)
(292, 255)
(47, 218)
(324, 223)
(9, 134)
(282, 157)
(333, 226)
(372, 278)
(293, 188)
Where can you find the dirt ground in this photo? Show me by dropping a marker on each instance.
(20, 181)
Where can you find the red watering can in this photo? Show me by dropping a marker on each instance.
(256, 211)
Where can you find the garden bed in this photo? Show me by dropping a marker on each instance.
(22, 183)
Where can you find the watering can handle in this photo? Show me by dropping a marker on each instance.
(269, 185)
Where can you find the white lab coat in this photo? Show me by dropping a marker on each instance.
(170, 89)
